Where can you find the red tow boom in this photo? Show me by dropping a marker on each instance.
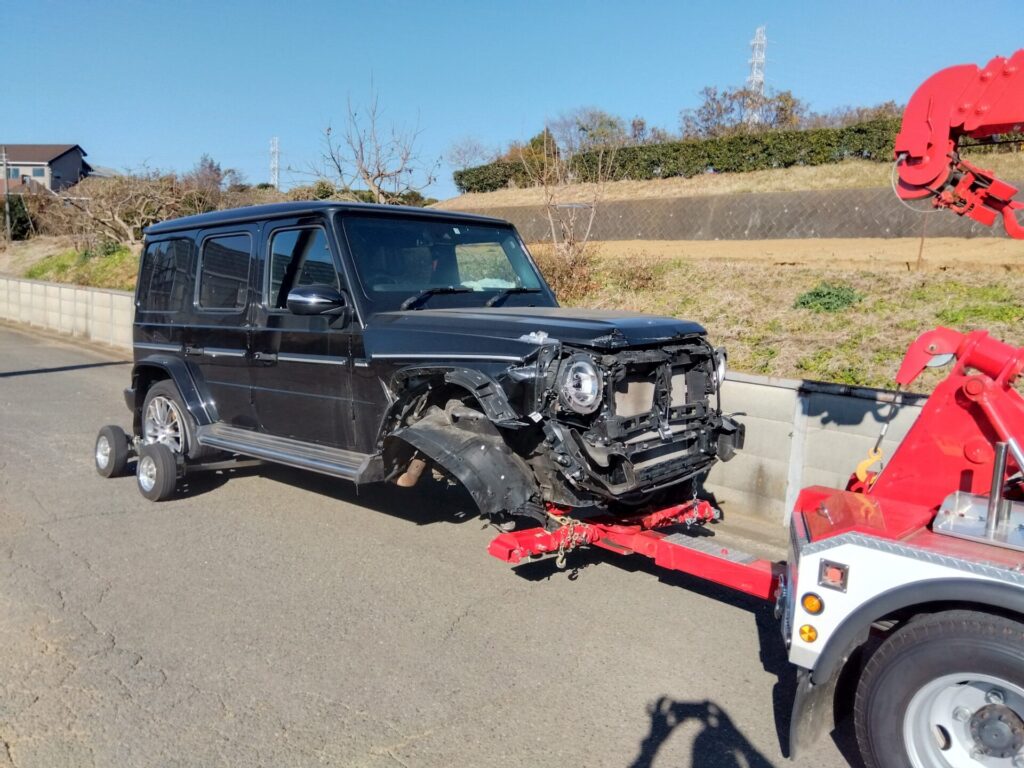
(677, 550)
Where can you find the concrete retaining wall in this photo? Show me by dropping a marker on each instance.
(798, 432)
(91, 313)
(837, 213)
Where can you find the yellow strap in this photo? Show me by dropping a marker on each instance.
(874, 455)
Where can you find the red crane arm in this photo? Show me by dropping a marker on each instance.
(956, 102)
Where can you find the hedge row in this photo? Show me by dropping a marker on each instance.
(871, 140)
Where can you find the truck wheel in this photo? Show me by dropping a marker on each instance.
(157, 472)
(111, 452)
(945, 691)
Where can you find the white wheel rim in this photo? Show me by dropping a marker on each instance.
(147, 473)
(162, 423)
(937, 726)
(102, 452)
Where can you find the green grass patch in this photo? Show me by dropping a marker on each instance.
(110, 266)
(828, 297)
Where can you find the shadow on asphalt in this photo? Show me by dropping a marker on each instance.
(61, 368)
(429, 502)
(719, 744)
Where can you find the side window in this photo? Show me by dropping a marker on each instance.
(224, 272)
(298, 257)
(164, 276)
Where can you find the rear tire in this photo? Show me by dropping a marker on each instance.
(166, 420)
(111, 451)
(941, 688)
(157, 472)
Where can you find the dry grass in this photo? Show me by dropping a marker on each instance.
(901, 254)
(748, 306)
(22, 254)
(852, 174)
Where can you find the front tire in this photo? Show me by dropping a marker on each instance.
(156, 472)
(944, 691)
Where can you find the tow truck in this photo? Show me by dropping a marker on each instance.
(909, 581)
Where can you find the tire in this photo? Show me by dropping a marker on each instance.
(166, 420)
(111, 451)
(156, 472)
(940, 688)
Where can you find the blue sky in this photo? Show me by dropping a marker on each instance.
(160, 83)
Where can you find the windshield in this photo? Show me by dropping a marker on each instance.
(418, 262)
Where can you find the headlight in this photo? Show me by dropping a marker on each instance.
(721, 358)
(580, 386)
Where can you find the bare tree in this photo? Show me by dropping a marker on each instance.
(379, 157)
(117, 208)
(468, 152)
(570, 207)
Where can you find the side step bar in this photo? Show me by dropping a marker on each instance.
(335, 462)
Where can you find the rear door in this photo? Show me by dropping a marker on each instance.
(217, 339)
(302, 365)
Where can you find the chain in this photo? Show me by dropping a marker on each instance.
(569, 541)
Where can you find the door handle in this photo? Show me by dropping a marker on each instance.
(190, 350)
(265, 357)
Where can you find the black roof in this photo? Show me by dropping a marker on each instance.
(276, 210)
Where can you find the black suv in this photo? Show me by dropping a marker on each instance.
(372, 342)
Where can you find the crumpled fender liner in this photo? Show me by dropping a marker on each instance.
(496, 478)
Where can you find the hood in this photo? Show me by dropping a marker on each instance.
(499, 331)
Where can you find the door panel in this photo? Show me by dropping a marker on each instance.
(301, 364)
(217, 340)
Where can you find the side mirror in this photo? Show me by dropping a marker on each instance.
(317, 300)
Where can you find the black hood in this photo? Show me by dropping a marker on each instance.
(515, 331)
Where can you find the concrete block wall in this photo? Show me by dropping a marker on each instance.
(802, 433)
(798, 432)
(90, 313)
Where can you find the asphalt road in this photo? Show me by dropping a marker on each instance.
(269, 617)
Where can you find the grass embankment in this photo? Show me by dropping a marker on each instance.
(850, 174)
(110, 267)
(830, 324)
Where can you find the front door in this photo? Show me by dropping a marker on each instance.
(302, 365)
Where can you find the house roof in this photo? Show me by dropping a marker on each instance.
(38, 153)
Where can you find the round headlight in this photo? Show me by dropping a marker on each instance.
(721, 358)
(581, 384)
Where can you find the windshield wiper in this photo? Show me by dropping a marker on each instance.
(414, 301)
(508, 292)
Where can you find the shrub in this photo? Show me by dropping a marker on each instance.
(872, 140)
(637, 272)
(569, 272)
(828, 297)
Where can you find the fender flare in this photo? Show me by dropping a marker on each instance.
(177, 371)
(487, 392)
(815, 688)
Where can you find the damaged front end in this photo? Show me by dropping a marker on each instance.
(621, 425)
(572, 426)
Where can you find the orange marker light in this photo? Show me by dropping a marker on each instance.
(808, 633)
(812, 603)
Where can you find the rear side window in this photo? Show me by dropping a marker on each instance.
(164, 275)
(298, 257)
(224, 272)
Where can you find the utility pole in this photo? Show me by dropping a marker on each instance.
(7, 194)
(275, 164)
(755, 80)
